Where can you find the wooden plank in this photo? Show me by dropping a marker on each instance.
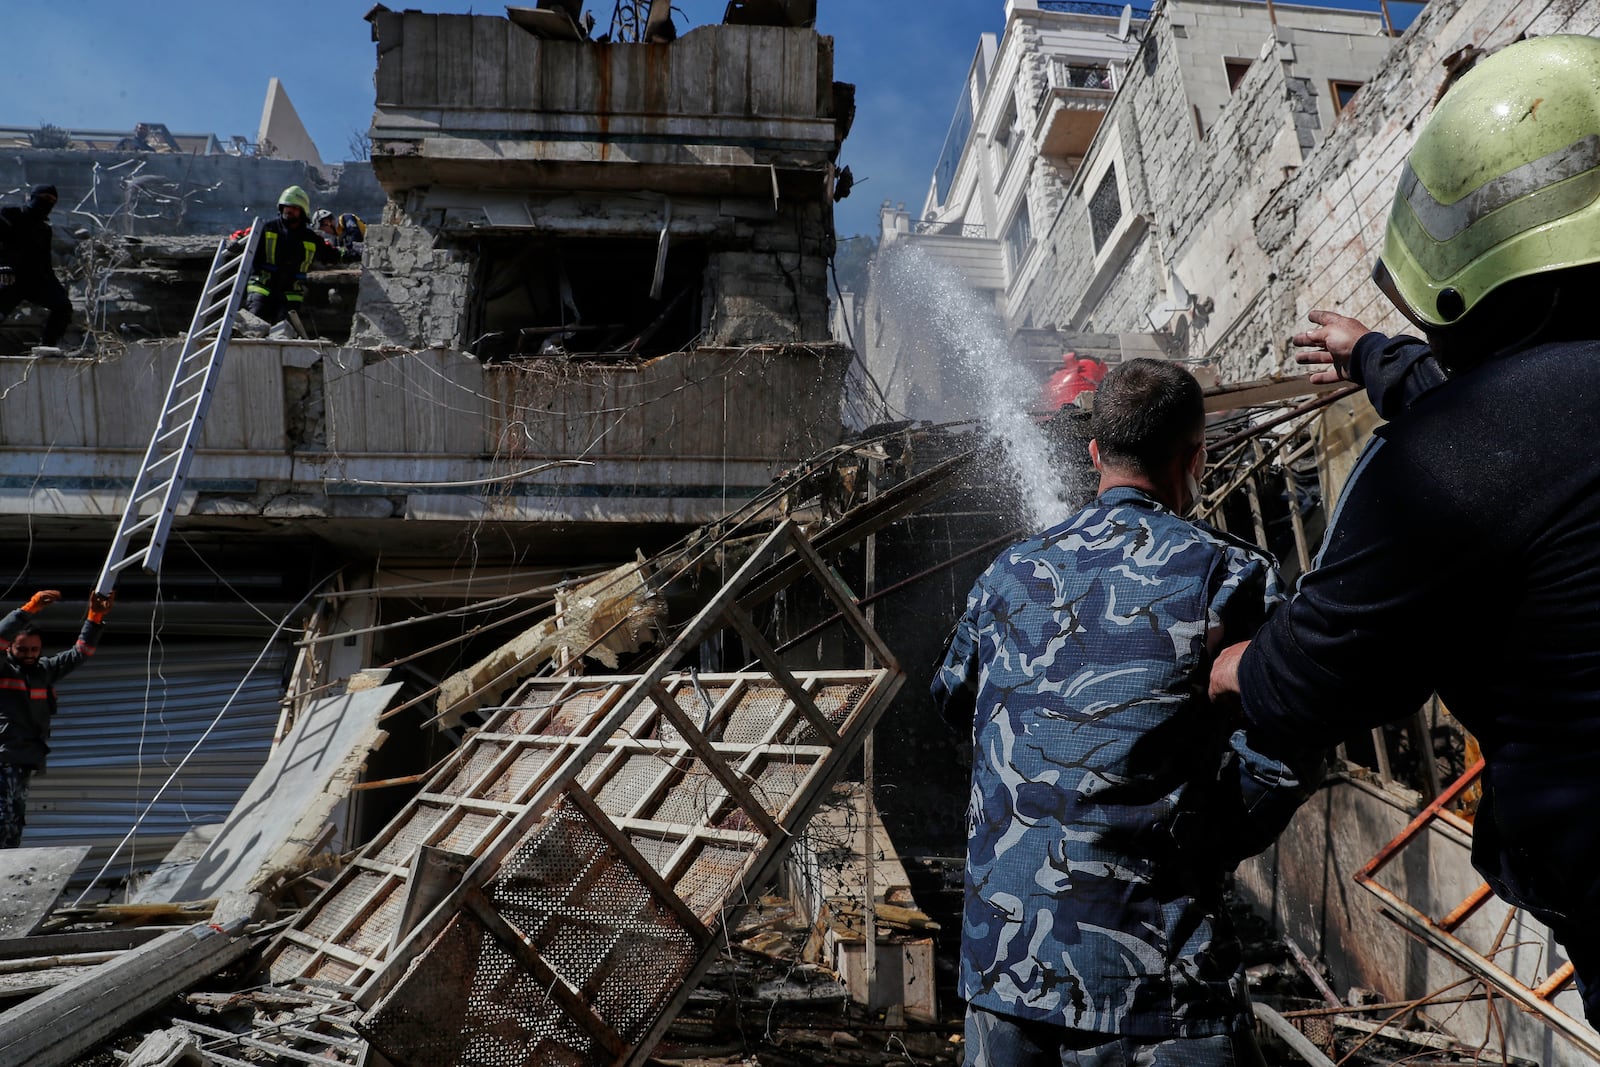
(56, 1027)
(30, 881)
(91, 941)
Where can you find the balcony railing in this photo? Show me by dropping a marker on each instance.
(1091, 7)
(1060, 75)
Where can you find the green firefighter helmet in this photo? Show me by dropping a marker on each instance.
(1503, 182)
(296, 196)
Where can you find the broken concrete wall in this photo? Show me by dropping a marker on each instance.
(299, 430)
(763, 279)
(587, 197)
(771, 282)
(413, 292)
(161, 193)
(135, 231)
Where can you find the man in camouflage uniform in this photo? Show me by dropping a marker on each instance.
(1108, 796)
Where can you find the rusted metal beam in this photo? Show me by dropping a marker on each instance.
(888, 507)
(1278, 420)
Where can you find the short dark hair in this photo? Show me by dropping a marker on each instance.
(1146, 413)
(29, 630)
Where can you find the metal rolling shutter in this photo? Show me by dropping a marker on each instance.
(126, 720)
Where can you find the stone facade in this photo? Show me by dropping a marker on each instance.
(412, 291)
(1180, 258)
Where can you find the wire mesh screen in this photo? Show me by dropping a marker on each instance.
(586, 930)
(593, 923)
(470, 1001)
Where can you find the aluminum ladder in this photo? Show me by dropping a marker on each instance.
(166, 461)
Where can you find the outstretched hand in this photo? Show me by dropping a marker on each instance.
(100, 603)
(42, 598)
(1225, 673)
(1331, 345)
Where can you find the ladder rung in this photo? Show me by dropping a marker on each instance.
(214, 307)
(150, 520)
(195, 352)
(185, 402)
(201, 373)
(226, 283)
(181, 428)
(168, 458)
(155, 490)
(127, 561)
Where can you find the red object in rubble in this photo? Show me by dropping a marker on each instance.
(1076, 376)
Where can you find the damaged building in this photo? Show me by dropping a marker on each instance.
(140, 212)
(538, 669)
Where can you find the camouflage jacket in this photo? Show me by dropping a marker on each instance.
(1108, 796)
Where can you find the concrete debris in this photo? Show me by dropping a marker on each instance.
(278, 824)
(54, 1028)
(30, 881)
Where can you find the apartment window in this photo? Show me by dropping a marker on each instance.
(1343, 93)
(1105, 209)
(1005, 135)
(1019, 238)
(1236, 70)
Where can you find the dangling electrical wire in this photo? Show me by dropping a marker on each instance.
(272, 639)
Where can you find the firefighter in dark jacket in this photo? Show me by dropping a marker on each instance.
(25, 248)
(288, 248)
(1464, 555)
(28, 700)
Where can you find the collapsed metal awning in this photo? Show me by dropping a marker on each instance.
(606, 831)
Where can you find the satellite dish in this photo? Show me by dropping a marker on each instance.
(1125, 23)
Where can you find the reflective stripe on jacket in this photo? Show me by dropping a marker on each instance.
(28, 694)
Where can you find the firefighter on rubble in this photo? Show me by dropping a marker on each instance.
(345, 232)
(288, 248)
(1472, 521)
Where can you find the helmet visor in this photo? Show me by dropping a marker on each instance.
(1386, 284)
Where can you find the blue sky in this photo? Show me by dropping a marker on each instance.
(203, 65)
